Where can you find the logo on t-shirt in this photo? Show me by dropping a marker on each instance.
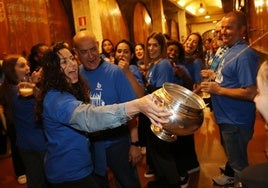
(95, 98)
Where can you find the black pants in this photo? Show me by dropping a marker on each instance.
(18, 164)
(87, 182)
(164, 160)
(34, 164)
(143, 131)
(185, 152)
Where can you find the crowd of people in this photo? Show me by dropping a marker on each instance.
(90, 111)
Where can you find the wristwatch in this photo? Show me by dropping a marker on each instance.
(137, 143)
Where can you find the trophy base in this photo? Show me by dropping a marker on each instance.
(163, 134)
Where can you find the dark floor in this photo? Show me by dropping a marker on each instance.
(210, 154)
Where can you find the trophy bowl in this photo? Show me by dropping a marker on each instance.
(187, 109)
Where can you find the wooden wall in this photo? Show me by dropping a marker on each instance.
(142, 24)
(113, 23)
(258, 28)
(24, 23)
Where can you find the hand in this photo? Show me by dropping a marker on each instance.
(179, 71)
(207, 74)
(36, 76)
(157, 114)
(210, 87)
(124, 65)
(134, 154)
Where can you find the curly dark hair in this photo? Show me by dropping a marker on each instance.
(10, 80)
(181, 57)
(34, 56)
(55, 78)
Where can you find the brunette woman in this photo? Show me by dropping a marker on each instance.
(64, 106)
(160, 71)
(107, 50)
(19, 110)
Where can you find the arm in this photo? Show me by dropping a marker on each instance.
(138, 89)
(134, 151)
(89, 118)
(247, 93)
(186, 79)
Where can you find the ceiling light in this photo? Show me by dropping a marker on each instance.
(201, 8)
(207, 16)
(181, 3)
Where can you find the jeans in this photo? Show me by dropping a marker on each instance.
(235, 141)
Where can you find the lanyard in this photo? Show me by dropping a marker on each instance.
(222, 63)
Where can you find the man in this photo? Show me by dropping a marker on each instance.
(232, 95)
(115, 148)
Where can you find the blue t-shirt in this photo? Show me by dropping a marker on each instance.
(68, 156)
(177, 79)
(160, 73)
(134, 69)
(239, 70)
(108, 85)
(29, 135)
(194, 69)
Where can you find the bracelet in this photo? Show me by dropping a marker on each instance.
(137, 143)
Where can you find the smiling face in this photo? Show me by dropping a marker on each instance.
(139, 52)
(231, 32)
(172, 52)
(191, 44)
(68, 65)
(123, 52)
(87, 50)
(22, 68)
(154, 48)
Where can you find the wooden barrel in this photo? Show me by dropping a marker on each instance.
(142, 24)
(113, 23)
(25, 24)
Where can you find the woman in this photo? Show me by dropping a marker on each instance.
(139, 55)
(107, 50)
(64, 106)
(34, 58)
(124, 58)
(30, 138)
(160, 71)
(159, 68)
(176, 56)
(193, 47)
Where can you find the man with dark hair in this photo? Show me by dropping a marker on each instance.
(232, 95)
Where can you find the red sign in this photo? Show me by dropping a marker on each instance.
(82, 21)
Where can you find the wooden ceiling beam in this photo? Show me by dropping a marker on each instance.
(197, 20)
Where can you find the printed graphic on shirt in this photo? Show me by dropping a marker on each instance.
(95, 98)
